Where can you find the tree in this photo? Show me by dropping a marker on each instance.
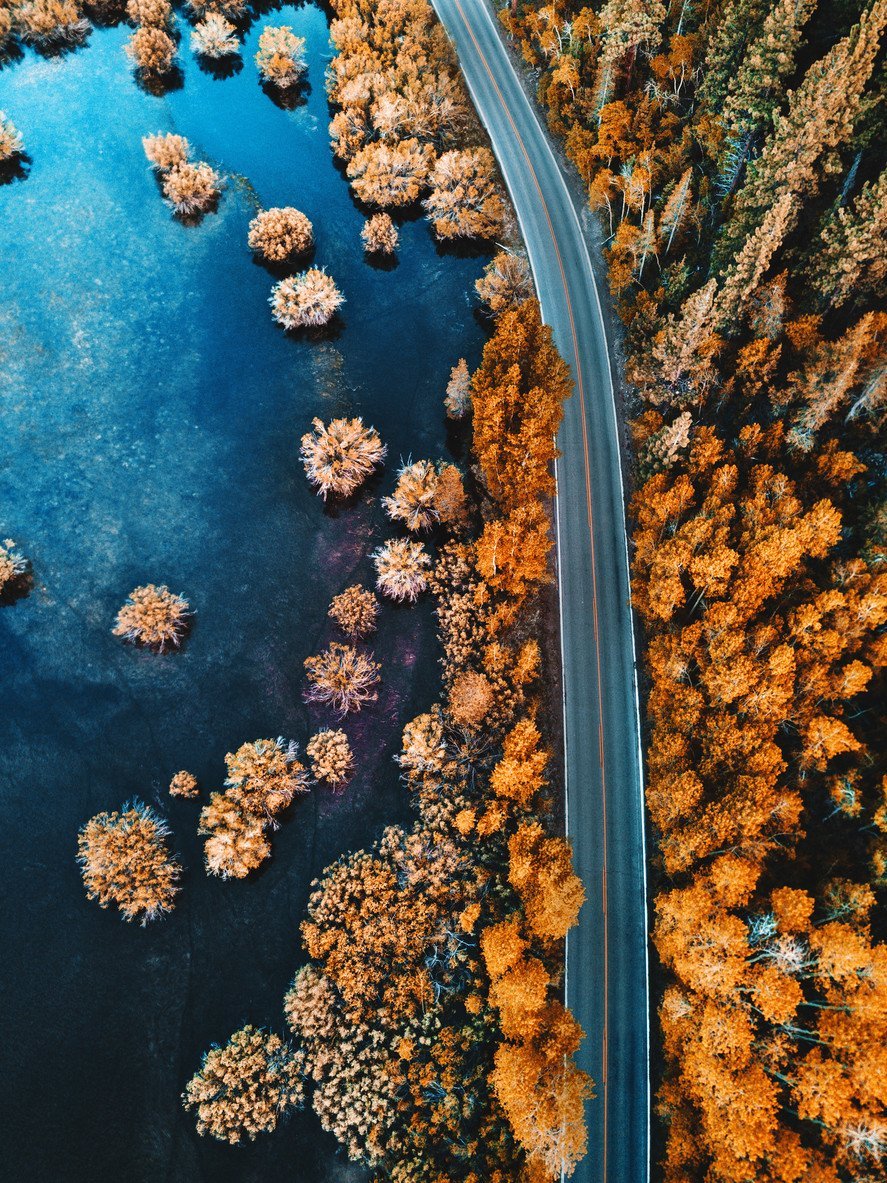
(505, 283)
(124, 861)
(401, 569)
(280, 234)
(264, 776)
(307, 300)
(458, 397)
(331, 757)
(191, 189)
(847, 261)
(155, 617)
(465, 199)
(215, 37)
(391, 175)
(342, 677)
(184, 784)
(236, 843)
(517, 395)
(245, 1087)
(338, 458)
(414, 499)
(281, 57)
(355, 611)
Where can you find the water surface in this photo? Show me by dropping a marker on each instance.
(149, 418)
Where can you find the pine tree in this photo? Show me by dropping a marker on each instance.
(849, 259)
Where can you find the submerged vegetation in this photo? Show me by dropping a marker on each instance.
(734, 154)
(340, 457)
(380, 235)
(184, 784)
(124, 861)
(51, 24)
(14, 569)
(155, 617)
(152, 50)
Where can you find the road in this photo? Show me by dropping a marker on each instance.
(607, 970)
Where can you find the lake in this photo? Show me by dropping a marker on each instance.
(150, 413)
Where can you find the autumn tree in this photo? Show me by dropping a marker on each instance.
(125, 861)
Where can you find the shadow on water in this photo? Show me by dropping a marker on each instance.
(151, 412)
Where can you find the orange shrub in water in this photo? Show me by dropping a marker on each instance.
(183, 784)
(153, 616)
(124, 861)
(214, 37)
(340, 457)
(264, 776)
(235, 842)
(331, 757)
(13, 565)
(281, 233)
(152, 50)
(191, 188)
(308, 300)
(380, 235)
(11, 142)
(355, 611)
(51, 24)
(245, 1087)
(165, 150)
(280, 60)
(342, 677)
(401, 569)
(149, 13)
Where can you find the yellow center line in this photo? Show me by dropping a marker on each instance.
(581, 393)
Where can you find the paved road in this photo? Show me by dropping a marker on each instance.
(607, 980)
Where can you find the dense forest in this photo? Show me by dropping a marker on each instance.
(731, 152)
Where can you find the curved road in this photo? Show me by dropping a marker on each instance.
(607, 973)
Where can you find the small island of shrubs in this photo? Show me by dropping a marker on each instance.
(214, 37)
(281, 57)
(191, 189)
(331, 757)
(280, 234)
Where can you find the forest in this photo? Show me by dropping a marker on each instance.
(733, 154)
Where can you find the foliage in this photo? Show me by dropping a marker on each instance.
(355, 611)
(11, 142)
(264, 776)
(731, 152)
(342, 677)
(401, 569)
(153, 616)
(338, 458)
(166, 151)
(14, 567)
(232, 9)
(236, 842)
(465, 199)
(153, 51)
(245, 1087)
(413, 500)
(51, 24)
(506, 282)
(280, 234)
(458, 397)
(184, 784)
(156, 13)
(380, 235)
(307, 300)
(214, 37)
(331, 757)
(124, 861)
(280, 60)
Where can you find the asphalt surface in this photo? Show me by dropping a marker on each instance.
(607, 971)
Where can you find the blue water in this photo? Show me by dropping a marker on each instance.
(150, 413)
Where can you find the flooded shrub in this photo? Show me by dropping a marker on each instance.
(6, 32)
(471, 699)
(183, 784)
(124, 861)
(14, 567)
(155, 14)
(214, 37)
(281, 57)
(331, 757)
(342, 677)
(280, 233)
(153, 616)
(401, 569)
(505, 283)
(52, 24)
(380, 235)
(235, 843)
(307, 300)
(264, 776)
(413, 500)
(457, 402)
(191, 188)
(391, 174)
(355, 611)
(232, 9)
(165, 150)
(465, 199)
(243, 1088)
(152, 50)
(339, 458)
